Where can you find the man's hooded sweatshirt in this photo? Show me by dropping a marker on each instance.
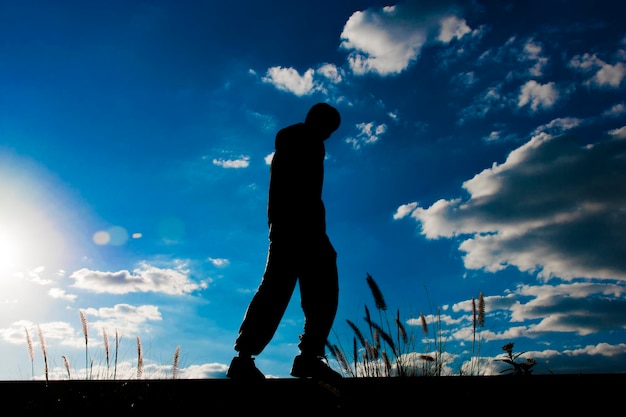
(295, 207)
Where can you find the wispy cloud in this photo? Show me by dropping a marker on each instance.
(619, 133)
(145, 278)
(241, 162)
(368, 134)
(219, 262)
(61, 294)
(532, 52)
(615, 110)
(602, 74)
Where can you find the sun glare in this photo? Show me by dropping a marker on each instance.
(9, 252)
(32, 220)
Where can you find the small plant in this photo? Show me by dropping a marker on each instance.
(517, 368)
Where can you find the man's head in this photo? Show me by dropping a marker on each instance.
(323, 118)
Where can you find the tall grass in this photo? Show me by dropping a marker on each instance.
(104, 372)
(388, 348)
(385, 349)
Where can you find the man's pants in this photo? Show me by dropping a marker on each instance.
(313, 264)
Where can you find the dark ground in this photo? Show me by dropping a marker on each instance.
(594, 394)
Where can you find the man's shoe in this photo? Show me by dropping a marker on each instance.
(313, 367)
(243, 368)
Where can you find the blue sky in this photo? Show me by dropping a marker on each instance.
(482, 150)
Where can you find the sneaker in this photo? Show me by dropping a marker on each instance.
(243, 368)
(313, 367)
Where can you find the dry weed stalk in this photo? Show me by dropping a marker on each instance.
(44, 350)
(175, 364)
(379, 300)
(83, 321)
(424, 323)
(66, 362)
(478, 320)
(31, 352)
(139, 359)
(117, 347)
(105, 337)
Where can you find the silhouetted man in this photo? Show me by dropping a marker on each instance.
(299, 252)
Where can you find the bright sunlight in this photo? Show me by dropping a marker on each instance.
(9, 251)
(33, 221)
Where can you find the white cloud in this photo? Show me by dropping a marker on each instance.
(532, 53)
(600, 358)
(145, 278)
(61, 294)
(126, 319)
(204, 371)
(126, 311)
(266, 122)
(369, 133)
(16, 333)
(488, 101)
(611, 75)
(538, 95)
(219, 262)
(559, 125)
(603, 349)
(492, 136)
(313, 80)
(581, 308)
(331, 72)
(452, 28)
(618, 133)
(554, 208)
(603, 73)
(404, 210)
(241, 162)
(615, 111)
(585, 62)
(386, 41)
(288, 79)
